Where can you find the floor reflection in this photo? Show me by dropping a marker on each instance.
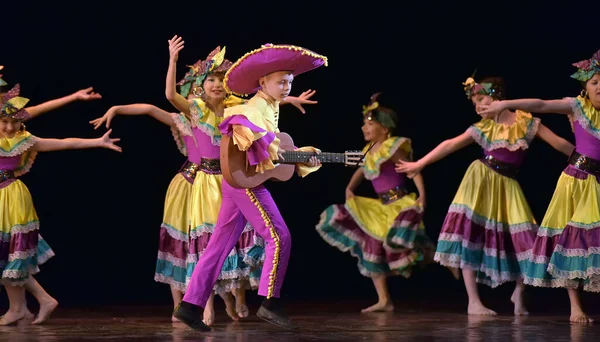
(330, 322)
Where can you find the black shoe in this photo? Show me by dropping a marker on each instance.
(277, 317)
(189, 314)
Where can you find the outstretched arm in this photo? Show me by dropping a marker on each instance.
(133, 109)
(81, 95)
(442, 150)
(180, 102)
(44, 145)
(529, 105)
(559, 143)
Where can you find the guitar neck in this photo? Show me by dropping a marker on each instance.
(293, 157)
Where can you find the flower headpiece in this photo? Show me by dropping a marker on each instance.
(473, 88)
(386, 117)
(214, 62)
(587, 68)
(12, 105)
(2, 82)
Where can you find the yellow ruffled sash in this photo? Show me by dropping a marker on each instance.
(586, 114)
(21, 145)
(492, 135)
(388, 148)
(207, 121)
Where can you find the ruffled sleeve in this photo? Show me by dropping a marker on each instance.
(586, 114)
(251, 133)
(304, 170)
(20, 145)
(491, 135)
(182, 127)
(374, 160)
(206, 120)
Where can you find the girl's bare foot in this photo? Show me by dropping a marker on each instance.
(518, 300)
(578, 316)
(242, 310)
(28, 314)
(209, 316)
(386, 306)
(230, 306)
(46, 309)
(12, 317)
(479, 309)
(173, 319)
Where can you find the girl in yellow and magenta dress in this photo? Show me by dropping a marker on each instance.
(489, 229)
(47, 303)
(387, 235)
(566, 252)
(21, 250)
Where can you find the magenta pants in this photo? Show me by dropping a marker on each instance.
(239, 206)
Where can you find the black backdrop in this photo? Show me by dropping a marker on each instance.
(100, 211)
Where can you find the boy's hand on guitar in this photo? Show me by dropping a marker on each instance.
(280, 155)
(313, 161)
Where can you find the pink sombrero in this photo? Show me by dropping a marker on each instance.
(242, 78)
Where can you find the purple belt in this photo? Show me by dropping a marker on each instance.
(189, 170)
(6, 175)
(392, 195)
(585, 163)
(210, 166)
(506, 169)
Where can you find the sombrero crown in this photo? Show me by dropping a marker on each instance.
(242, 78)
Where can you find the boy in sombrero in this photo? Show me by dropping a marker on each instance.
(268, 72)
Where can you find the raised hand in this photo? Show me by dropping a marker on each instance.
(175, 45)
(87, 94)
(302, 99)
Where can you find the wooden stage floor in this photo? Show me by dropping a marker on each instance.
(317, 321)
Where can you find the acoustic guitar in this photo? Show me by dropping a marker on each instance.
(240, 174)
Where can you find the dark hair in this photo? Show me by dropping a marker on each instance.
(497, 85)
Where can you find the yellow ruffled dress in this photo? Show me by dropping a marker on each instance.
(172, 265)
(489, 227)
(566, 252)
(22, 249)
(386, 235)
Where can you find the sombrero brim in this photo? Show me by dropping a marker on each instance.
(242, 78)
